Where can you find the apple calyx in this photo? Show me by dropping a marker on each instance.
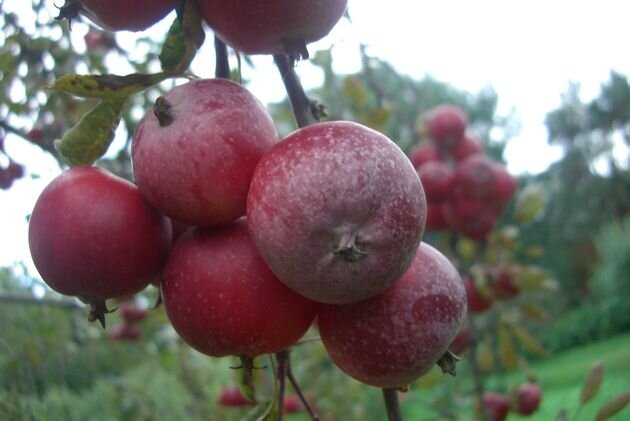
(348, 250)
(448, 363)
(98, 310)
(70, 10)
(162, 110)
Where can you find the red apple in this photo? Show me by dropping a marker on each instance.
(291, 404)
(506, 185)
(467, 146)
(475, 176)
(93, 235)
(126, 15)
(528, 397)
(435, 218)
(424, 152)
(130, 313)
(392, 339)
(437, 180)
(461, 342)
(222, 299)
(497, 406)
(194, 153)
(477, 303)
(502, 284)
(337, 211)
(274, 26)
(124, 332)
(446, 125)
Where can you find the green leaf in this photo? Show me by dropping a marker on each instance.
(106, 86)
(184, 38)
(529, 204)
(592, 382)
(264, 411)
(90, 138)
(613, 406)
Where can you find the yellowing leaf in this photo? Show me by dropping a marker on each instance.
(534, 312)
(105, 86)
(529, 203)
(507, 350)
(90, 138)
(535, 251)
(485, 357)
(354, 90)
(613, 406)
(530, 278)
(592, 382)
(528, 341)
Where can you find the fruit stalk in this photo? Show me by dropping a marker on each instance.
(298, 390)
(222, 69)
(392, 404)
(282, 360)
(302, 106)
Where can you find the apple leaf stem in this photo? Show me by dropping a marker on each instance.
(222, 69)
(392, 404)
(298, 390)
(306, 111)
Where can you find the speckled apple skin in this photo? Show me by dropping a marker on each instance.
(93, 235)
(396, 337)
(327, 181)
(223, 300)
(197, 169)
(272, 26)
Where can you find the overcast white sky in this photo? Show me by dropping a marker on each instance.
(527, 51)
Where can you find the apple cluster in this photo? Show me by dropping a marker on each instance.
(466, 190)
(251, 237)
(327, 221)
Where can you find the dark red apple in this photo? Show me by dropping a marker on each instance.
(392, 339)
(528, 397)
(437, 180)
(93, 235)
(131, 313)
(446, 125)
(435, 218)
(291, 404)
(505, 186)
(477, 303)
(126, 15)
(461, 342)
(475, 176)
(222, 299)
(425, 152)
(273, 26)
(194, 153)
(467, 146)
(502, 285)
(337, 211)
(497, 406)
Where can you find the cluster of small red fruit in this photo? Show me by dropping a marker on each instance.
(466, 190)
(326, 222)
(525, 400)
(486, 285)
(11, 172)
(131, 316)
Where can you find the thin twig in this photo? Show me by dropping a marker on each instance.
(222, 69)
(298, 390)
(282, 359)
(25, 299)
(302, 106)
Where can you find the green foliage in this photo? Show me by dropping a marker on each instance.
(612, 276)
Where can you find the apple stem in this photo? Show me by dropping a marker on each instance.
(163, 112)
(282, 359)
(306, 111)
(222, 69)
(298, 390)
(348, 250)
(392, 404)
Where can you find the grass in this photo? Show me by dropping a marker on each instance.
(560, 377)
